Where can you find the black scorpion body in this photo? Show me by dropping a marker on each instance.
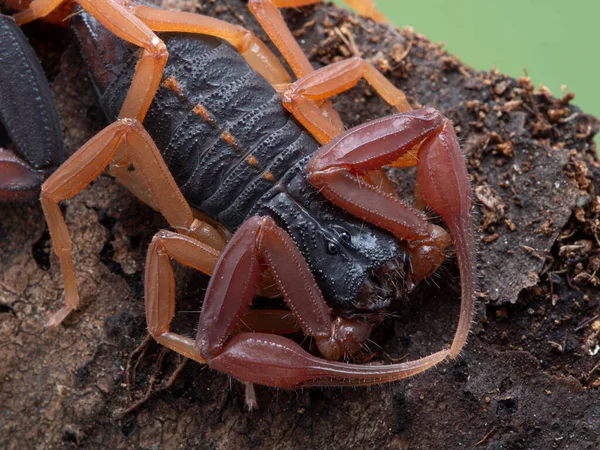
(236, 152)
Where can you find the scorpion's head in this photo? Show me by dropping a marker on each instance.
(360, 268)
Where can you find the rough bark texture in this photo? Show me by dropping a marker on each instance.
(527, 379)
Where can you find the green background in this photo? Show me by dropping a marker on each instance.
(557, 42)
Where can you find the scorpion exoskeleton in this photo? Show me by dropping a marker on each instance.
(31, 145)
(200, 133)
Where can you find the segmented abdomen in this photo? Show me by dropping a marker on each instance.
(219, 125)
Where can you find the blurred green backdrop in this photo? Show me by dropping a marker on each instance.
(558, 42)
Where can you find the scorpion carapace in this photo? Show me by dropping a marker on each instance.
(237, 156)
(207, 96)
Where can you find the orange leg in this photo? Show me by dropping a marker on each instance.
(86, 164)
(325, 120)
(253, 50)
(120, 21)
(160, 285)
(368, 9)
(271, 20)
(148, 73)
(301, 97)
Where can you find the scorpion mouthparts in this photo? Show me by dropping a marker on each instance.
(385, 284)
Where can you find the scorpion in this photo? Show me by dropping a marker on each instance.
(258, 179)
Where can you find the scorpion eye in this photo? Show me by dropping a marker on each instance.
(345, 236)
(332, 248)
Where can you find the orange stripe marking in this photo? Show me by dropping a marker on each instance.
(173, 84)
(228, 137)
(204, 113)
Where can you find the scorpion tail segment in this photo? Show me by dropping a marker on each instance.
(279, 362)
(18, 180)
(445, 186)
(237, 276)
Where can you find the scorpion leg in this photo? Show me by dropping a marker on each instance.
(317, 114)
(121, 22)
(149, 70)
(444, 183)
(160, 285)
(85, 165)
(367, 9)
(303, 96)
(69, 179)
(160, 292)
(253, 50)
(270, 19)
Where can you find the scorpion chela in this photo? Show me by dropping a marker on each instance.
(200, 132)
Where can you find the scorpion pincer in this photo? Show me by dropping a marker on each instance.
(201, 133)
(31, 144)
